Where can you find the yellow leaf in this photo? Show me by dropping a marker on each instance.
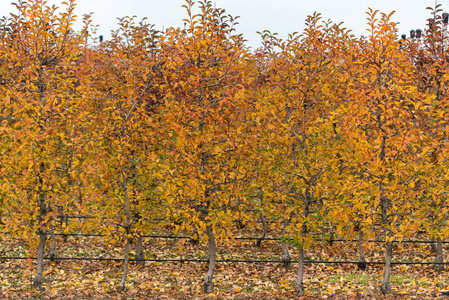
(423, 279)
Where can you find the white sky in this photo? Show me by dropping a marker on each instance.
(281, 16)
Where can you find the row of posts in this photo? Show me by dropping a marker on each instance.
(417, 33)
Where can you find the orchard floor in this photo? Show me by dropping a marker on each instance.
(174, 280)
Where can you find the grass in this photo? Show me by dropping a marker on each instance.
(400, 279)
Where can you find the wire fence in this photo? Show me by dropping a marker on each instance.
(225, 260)
(66, 216)
(183, 260)
(261, 238)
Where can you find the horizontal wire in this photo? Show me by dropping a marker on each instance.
(257, 238)
(227, 260)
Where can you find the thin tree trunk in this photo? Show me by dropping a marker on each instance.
(361, 265)
(240, 223)
(386, 286)
(53, 253)
(262, 219)
(264, 228)
(285, 255)
(433, 246)
(121, 287)
(1, 210)
(37, 282)
(66, 221)
(194, 239)
(139, 251)
(331, 235)
(63, 219)
(439, 268)
(384, 206)
(208, 284)
(299, 285)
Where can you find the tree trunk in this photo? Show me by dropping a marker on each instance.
(264, 228)
(66, 221)
(433, 246)
(386, 286)
(331, 235)
(285, 255)
(194, 239)
(139, 251)
(384, 205)
(121, 287)
(37, 282)
(439, 268)
(63, 219)
(299, 285)
(208, 284)
(53, 253)
(1, 210)
(361, 265)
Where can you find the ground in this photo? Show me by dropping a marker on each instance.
(182, 280)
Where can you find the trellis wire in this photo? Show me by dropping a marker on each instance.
(258, 238)
(226, 260)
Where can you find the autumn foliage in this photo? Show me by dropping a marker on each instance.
(190, 129)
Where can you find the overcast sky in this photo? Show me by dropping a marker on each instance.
(281, 16)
